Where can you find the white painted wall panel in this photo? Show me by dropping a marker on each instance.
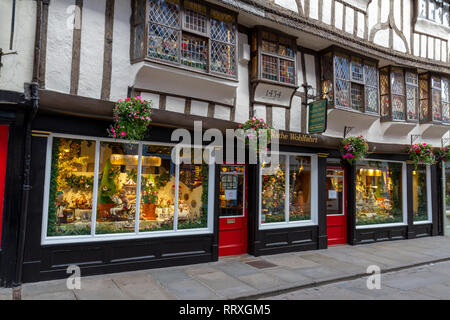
(241, 113)
(279, 118)
(360, 27)
(153, 97)
(326, 11)
(295, 122)
(349, 19)
(222, 112)
(92, 48)
(423, 46)
(372, 12)
(310, 68)
(175, 104)
(416, 44)
(398, 13)
(122, 73)
(437, 49)
(382, 38)
(199, 108)
(430, 45)
(260, 111)
(407, 17)
(17, 68)
(398, 43)
(299, 71)
(338, 10)
(384, 10)
(314, 9)
(59, 47)
(288, 4)
(444, 54)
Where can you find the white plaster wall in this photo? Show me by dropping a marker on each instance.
(122, 73)
(360, 27)
(299, 72)
(338, 11)
(279, 118)
(430, 44)
(260, 111)
(288, 4)
(59, 46)
(398, 43)
(326, 13)
(153, 97)
(92, 48)
(17, 68)
(372, 14)
(416, 44)
(314, 9)
(382, 38)
(310, 68)
(175, 104)
(222, 112)
(349, 19)
(384, 10)
(407, 20)
(295, 121)
(423, 46)
(241, 113)
(200, 108)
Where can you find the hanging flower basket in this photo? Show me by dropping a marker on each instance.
(354, 148)
(132, 117)
(421, 154)
(256, 129)
(444, 154)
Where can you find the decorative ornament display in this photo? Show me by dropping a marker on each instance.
(421, 154)
(444, 153)
(256, 130)
(132, 117)
(354, 148)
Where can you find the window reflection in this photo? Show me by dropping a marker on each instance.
(420, 198)
(299, 188)
(273, 192)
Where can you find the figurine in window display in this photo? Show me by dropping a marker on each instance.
(60, 204)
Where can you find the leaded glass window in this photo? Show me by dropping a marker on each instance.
(436, 99)
(277, 57)
(186, 32)
(399, 93)
(350, 82)
(446, 100)
(434, 10)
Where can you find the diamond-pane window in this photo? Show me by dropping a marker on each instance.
(357, 70)
(341, 65)
(371, 99)
(163, 42)
(222, 58)
(166, 12)
(223, 27)
(446, 100)
(194, 52)
(412, 96)
(397, 82)
(398, 109)
(342, 93)
(370, 74)
(357, 96)
(269, 68)
(436, 101)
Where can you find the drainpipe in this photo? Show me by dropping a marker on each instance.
(32, 95)
(13, 22)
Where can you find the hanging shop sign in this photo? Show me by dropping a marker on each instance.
(317, 116)
(273, 94)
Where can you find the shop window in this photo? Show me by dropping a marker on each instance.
(94, 198)
(446, 174)
(349, 82)
(379, 197)
(273, 57)
(71, 187)
(434, 99)
(399, 94)
(420, 195)
(185, 33)
(436, 11)
(286, 192)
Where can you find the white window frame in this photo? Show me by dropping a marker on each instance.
(404, 200)
(49, 240)
(314, 185)
(429, 209)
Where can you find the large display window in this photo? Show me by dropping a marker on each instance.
(380, 197)
(446, 196)
(288, 196)
(421, 194)
(101, 188)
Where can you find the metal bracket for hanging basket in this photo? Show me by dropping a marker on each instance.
(445, 142)
(347, 131)
(415, 137)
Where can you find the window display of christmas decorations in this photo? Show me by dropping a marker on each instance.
(286, 195)
(132, 117)
(421, 154)
(257, 132)
(354, 148)
(378, 192)
(130, 180)
(420, 196)
(71, 187)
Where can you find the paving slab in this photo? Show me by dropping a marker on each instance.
(290, 260)
(321, 273)
(290, 276)
(224, 285)
(262, 281)
(166, 276)
(238, 268)
(190, 289)
(99, 289)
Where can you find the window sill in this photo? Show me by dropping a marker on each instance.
(422, 222)
(122, 236)
(283, 225)
(170, 79)
(383, 225)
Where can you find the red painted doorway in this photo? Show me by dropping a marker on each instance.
(3, 156)
(233, 210)
(336, 205)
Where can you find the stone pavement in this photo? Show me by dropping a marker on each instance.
(248, 277)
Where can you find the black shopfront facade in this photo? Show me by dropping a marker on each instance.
(300, 224)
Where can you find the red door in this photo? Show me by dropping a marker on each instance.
(3, 152)
(336, 205)
(233, 210)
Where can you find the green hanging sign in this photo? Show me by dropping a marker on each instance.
(317, 116)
